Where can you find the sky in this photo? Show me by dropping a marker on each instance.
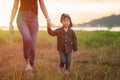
(81, 11)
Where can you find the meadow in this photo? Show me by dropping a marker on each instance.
(99, 57)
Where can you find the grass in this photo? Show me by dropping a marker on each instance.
(99, 57)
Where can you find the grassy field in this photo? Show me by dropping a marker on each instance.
(99, 57)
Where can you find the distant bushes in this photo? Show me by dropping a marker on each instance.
(97, 39)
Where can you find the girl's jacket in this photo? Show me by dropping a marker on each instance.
(66, 41)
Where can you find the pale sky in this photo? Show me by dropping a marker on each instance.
(80, 10)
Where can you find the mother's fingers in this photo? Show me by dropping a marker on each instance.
(49, 24)
(11, 29)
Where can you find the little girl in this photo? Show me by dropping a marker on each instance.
(66, 41)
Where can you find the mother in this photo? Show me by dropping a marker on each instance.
(27, 22)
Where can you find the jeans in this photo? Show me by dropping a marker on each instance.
(65, 60)
(27, 23)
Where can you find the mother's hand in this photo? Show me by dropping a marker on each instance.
(49, 23)
(11, 28)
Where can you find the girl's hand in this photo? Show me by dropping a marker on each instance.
(11, 28)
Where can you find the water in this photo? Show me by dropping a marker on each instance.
(75, 28)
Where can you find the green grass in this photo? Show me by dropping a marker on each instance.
(99, 57)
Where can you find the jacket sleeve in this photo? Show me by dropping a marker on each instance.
(51, 32)
(74, 42)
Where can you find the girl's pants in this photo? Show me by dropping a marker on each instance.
(65, 60)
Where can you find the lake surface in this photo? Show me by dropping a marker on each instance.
(75, 28)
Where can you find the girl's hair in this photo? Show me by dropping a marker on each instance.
(66, 16)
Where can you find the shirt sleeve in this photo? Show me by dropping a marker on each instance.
(74, 41)
(51, 32)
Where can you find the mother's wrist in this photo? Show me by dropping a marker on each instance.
(48, 19)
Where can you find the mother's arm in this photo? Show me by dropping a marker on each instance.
(13, 13)
(44, 10)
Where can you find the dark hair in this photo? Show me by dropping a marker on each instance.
(64, 16)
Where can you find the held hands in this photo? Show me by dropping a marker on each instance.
(49, 23)
(11, 28)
